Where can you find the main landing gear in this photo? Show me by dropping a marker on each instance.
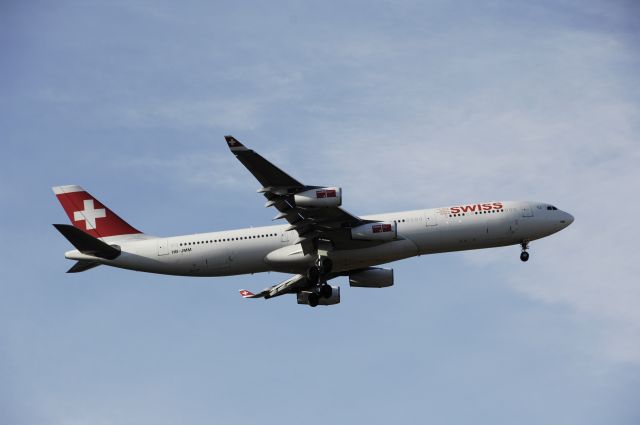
(524, 255)
(316, 275)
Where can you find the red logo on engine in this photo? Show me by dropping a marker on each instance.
(381, 228)
(326, 193)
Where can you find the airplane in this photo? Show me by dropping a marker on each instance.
(321, 241)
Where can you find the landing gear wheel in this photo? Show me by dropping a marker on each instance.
(326, 291)
(313, 300)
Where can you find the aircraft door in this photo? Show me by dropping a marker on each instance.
(163, 247)
(431, 219)
(527, 211)
(430, 238)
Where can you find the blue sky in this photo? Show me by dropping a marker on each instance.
(405, 105)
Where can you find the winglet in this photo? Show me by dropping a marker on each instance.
(247, 294)
(234, 144)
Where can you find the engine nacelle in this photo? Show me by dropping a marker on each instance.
(321, 197)
(384, 231)
(372, 278)
(303, 297)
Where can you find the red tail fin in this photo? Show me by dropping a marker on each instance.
(90, 215)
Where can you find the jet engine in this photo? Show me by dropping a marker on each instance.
(382, 231)
(303, 297)
(320, 197)
(372, 278)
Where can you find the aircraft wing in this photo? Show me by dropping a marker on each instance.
(311, 223)
(288, 286)
(292, 285)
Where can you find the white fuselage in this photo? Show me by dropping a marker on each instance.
(273, 248)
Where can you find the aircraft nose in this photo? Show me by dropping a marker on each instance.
(567, 219)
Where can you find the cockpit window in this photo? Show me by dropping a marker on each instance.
(551, 208)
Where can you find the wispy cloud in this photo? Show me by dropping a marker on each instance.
(192, 169)
(233, 114)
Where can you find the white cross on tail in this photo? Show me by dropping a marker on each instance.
(90, 214)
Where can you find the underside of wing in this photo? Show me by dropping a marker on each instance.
(312, 211)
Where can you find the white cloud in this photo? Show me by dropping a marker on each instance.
(232, 114)
(193, 169)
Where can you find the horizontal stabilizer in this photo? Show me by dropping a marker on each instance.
(86, 243)
(249, 294)
(82, 266)
(288, 286)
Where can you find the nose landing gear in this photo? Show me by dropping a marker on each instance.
(524, 255)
